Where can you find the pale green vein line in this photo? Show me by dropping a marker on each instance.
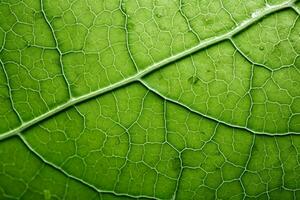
(57, 48)
(296, 9)
(10, 92)
(205, 43)
(122, 7)
(187, 20)
(247, 165)
(74, 177)
(249, 59)
(212, 118)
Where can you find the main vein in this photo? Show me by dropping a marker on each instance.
(203, 44)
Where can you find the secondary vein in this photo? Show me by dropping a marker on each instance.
(61, 170)
(212, 118)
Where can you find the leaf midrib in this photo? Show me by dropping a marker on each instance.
(137, 77)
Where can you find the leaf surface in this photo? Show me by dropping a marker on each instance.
(157, 99)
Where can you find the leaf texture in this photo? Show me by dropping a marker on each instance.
(158, 99)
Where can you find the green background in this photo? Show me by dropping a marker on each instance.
(150, 99)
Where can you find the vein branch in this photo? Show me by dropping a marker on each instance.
(56, 47)
(31, 149)
(212, 118)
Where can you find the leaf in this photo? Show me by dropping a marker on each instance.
(157, 99)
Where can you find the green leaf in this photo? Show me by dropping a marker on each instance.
(149, 99)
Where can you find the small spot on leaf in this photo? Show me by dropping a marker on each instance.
(159, 15)
(160, 12)
(175, 163)
(117, 142)
(193, 80)
(28, 44)
(130, 25)
(47, 194)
